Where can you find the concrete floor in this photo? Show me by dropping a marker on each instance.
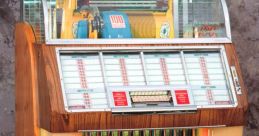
(245, 33)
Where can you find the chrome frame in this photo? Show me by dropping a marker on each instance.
(50, 41)
(150, 48)
(227, 19)
(189, 127)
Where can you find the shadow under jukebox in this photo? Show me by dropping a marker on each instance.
(127, 68)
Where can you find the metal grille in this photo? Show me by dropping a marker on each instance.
(33, 13)
(199, 19)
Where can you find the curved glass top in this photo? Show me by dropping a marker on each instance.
(135, 21)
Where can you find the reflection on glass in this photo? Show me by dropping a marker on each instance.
(96, 19)
(199, 19)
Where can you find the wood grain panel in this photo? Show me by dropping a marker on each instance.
(61, 121)
(37, 81)
(26, 87)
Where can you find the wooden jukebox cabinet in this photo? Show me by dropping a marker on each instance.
(127, 68)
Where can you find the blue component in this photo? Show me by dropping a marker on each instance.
(82, 29)
(116, 25)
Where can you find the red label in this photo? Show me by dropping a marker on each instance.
(182, 97)
(117, 21)
(120, 99)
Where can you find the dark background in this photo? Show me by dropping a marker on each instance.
(244, 16)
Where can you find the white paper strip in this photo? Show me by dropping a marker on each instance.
(72, 86)
(92, 67)
(76, 102)
(94, 80)
(114, 79)
(175, 72)
(95, 85)
(174, 66)
(134, 67)
(152, 61)
(155, 78)
(112, 67)
(115, 84)
(221, 98)
(133, 61)
(201, 98)
(199, 92)
(220, 92)
(153, 66)
(154, 72)
(70, 68)
(70, 74)
(75, 96)
(93, 73)
(98, 102)
(173, 60)
(98, 95)
(135, 73)
(136, 79)
(111, 61)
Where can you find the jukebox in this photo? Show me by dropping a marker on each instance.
(127, 68)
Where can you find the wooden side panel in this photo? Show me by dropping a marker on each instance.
(26, 88)
(44, 97)
(53, 85)
(233, 61)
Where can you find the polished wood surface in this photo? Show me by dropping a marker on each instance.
(26, 82)
(54, 118)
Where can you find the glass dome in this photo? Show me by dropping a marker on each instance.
(129, 21)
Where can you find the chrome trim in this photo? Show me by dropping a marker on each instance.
(157, 49)
(104, 75)
(46, 20)
(176, 22)
(214, 126)
(157, 109)
(144, 67)
(136, 48)
(61, 80)
(185, 68)
(229, 79)
(227, 19)
(138, 41)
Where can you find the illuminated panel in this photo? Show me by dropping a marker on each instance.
(83, 81)
(100, 81)
(164, 69)
(123, 69)
(207, 77)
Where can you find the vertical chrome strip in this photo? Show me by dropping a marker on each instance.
(46, 21)
(176, 18)
(227, 19)
(185, 68)
(104, 76)
(228, 75)
(144, 67)
(61, 79)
